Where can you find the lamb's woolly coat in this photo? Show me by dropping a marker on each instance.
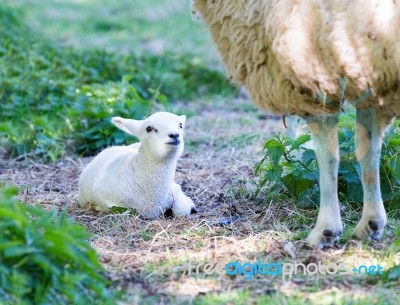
(306, 57)
(117, 177)
(139, 176)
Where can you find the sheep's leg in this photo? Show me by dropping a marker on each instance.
(370, 130)
(329, 224)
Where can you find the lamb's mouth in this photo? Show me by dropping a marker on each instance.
(174, 143)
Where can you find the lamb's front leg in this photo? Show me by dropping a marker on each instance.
(182, 205)
(370, 130)
(329, 224)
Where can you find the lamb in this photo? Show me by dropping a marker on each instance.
(139, 176)
(307, 58)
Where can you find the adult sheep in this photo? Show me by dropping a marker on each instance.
(306, 58)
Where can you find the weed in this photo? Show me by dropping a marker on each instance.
(44, 257)
(290, 167)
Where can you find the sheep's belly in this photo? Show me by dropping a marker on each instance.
(306, 57)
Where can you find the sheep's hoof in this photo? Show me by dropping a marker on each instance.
(369, 229)
(193, 210)
(324, 238)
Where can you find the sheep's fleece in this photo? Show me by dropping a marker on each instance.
(139, 176)
(307, 56)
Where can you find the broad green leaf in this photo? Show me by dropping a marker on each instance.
(300, 141)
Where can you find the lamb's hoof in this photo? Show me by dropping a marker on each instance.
(193, 210)
(324, 238)
(369, 229)
(169, 213)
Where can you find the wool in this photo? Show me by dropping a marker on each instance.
(139, 176)
(307, 57)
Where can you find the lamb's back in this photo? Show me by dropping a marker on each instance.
(105, 178)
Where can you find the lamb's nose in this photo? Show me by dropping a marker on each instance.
(174, 135)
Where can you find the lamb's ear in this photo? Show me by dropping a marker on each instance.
(132, 127)
(183, 118)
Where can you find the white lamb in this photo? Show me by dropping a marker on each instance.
(306, 58)
(139, 176)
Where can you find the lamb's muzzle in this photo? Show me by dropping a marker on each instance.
(175, 139)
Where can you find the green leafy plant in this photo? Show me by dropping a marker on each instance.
(56, 100)
(122, 210)
(45, 258)
(94, 107)
(288, 167)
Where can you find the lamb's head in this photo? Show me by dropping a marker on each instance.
(161, 134)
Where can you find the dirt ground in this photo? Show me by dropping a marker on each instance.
(150, 259)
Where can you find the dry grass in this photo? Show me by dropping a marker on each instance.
(149, 259)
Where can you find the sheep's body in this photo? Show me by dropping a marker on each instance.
(306, 58)
(130, 177)
(297, 56)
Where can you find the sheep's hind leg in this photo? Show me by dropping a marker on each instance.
(329, 224)
(370, 130)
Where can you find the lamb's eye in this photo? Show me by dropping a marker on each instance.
(149, 129)
(180, 125)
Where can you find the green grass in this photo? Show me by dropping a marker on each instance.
(242, 297)
(57, 100)
(121, 25)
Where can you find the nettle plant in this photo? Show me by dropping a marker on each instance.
(45, 257)
(290, 168)
(96, 104)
